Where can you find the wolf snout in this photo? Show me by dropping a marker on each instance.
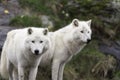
(88, 41)
(36, 52)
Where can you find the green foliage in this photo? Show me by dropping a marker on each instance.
(85, 9)
(26, 21)
(63, 12)
(36, 5)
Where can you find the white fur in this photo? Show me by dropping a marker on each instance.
(66, 42)
(19, 54)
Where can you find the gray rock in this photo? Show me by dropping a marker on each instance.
(112, 49)
(3, 33)
(46, 21)
(13, 8)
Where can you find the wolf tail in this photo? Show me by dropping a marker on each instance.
(3, 61)
(3, 65)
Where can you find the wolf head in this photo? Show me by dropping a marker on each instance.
(37, 41)
(81, 30)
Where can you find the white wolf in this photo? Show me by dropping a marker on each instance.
(23, 50)
(66, 42)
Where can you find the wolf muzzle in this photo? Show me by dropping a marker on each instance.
(36, 52)
(88, 41)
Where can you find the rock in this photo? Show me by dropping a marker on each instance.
(8, 10)
(3, 34)
(112, 49)
(46, 21)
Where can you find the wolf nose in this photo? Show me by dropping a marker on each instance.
(88, 41)
(36, 52)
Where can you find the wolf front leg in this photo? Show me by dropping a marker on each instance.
(55, 69)
(21, 73)
(15, 74)
(10, 70)
(33, 73)
(61, 70)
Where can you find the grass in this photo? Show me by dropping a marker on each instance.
(83, 62)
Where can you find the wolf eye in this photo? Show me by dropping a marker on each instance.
(41, 41)
(33, 41)
(81, 31)
(88, 32)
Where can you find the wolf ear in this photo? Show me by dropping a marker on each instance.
(45, 31)
(75, 22)
(89, 22)
(30, 31)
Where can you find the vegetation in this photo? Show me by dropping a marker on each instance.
(103, 14)
(105, 25)
(26, 21)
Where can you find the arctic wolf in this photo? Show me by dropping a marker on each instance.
(23, 50)
(66, 42)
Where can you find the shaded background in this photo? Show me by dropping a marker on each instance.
(99, 60)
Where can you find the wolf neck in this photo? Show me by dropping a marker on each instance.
(73, 46)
